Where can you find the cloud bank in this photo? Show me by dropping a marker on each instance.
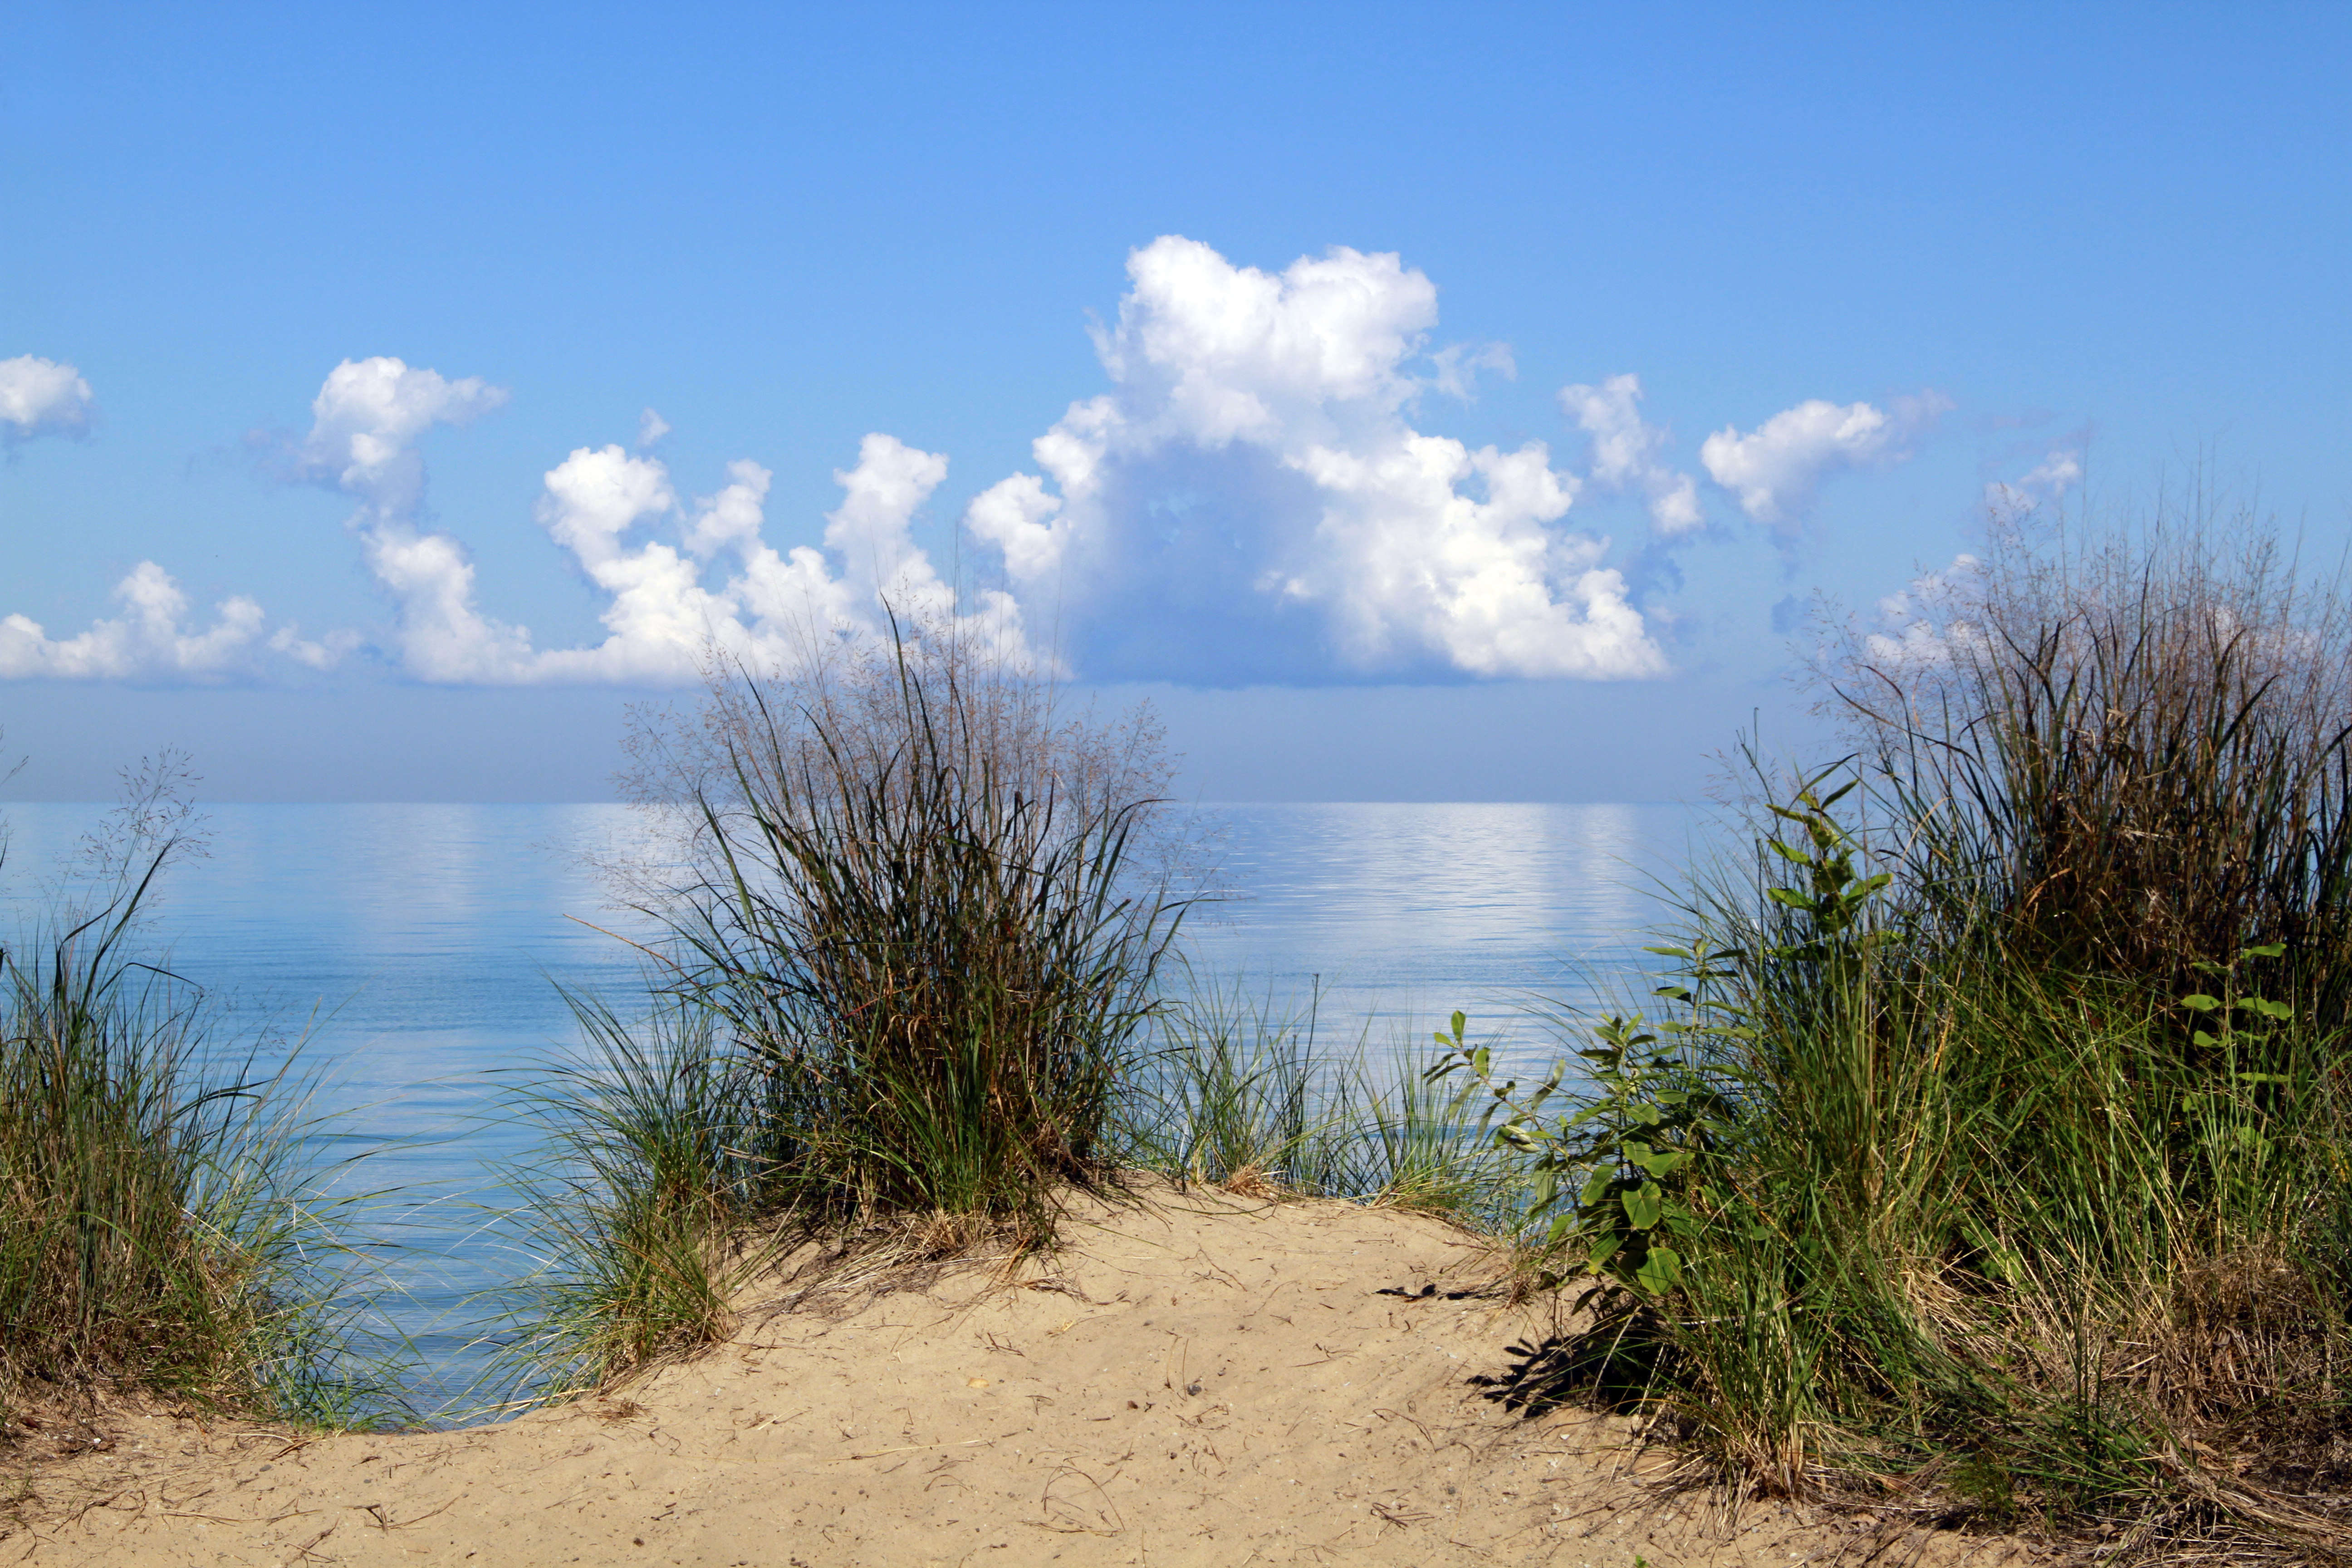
(1253, 499)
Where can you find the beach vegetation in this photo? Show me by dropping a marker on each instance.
(161, 1236)
(914, 913)
(1994, 1120)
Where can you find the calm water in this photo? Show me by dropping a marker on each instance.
(415, 946)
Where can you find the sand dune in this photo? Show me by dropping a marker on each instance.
(1191, 1381)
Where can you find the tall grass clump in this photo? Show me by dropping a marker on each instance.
(913, 911)
(643, 1207)
(2126, 752)
(154, 1239)
(1984, 1162)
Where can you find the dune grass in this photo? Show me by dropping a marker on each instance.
(1982, 1163)
(914, 915)
(157, 1238)
(1237, 1091)
(1985, 1162)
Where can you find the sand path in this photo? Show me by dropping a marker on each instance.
(1191, 1381)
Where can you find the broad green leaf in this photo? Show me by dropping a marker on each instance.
(1643, 1206)
(2199, 1002)
(1662, 1270)
(2268, 1009)
(2268, 949)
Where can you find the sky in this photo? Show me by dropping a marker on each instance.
(1412, 403)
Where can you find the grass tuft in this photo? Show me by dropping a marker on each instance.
(156, 1239)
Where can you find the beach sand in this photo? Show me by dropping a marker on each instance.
(1190, 1380)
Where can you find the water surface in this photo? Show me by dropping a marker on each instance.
(417, 949)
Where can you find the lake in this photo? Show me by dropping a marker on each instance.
(417, 949)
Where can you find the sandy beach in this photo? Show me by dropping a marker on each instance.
(1190, 1380)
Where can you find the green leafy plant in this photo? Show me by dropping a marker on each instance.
(1622, 1172)
(1832, 906)
(2224, 1009)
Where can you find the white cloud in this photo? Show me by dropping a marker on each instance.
(1251, 501)
(2047, 480)
(1628, 453)
(150, 639)
(41, 397)
(599, 505)
(365, 422)
(1774, 471)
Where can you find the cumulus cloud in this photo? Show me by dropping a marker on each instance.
(1628, 453)
(151, 638)
(1251, 501)
(604, 507)
(365, 423)
(1774, 471)
(1254, 498)
(41, 397)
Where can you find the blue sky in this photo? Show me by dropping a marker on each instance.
(350, 319)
